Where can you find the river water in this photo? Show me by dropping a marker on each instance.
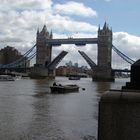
(28, 111)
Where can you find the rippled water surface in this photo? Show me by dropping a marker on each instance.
(28, 111)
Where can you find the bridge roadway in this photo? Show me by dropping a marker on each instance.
(76, 41)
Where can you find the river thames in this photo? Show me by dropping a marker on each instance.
(28, 111)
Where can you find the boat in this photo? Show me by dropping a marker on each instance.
(6, 78)
(64, 88)
(74, 78)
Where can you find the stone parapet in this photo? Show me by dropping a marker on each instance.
(119, 115)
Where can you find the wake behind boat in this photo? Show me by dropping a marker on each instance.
(64, 88)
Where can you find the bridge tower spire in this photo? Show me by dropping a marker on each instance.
(103, 71)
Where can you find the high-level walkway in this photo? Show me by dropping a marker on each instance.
(76, 41)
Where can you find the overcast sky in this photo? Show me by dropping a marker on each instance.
(19, 20)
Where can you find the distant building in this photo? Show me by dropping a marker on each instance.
(69, 64)
(76, 65)
(10, 54)
(61, 71)
(67, 70)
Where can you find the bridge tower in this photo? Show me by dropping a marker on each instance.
(43, 50)
(43, 55)
(45, 67)
(103, 70)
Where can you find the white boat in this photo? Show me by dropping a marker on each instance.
(6, 78)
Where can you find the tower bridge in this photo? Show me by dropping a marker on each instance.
(45, 66)
(102, 70)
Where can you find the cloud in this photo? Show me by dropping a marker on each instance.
(73, 54)
(107, 0)
(75, 8)
(127, 43)
(19, 20)
(67, 24)
(20, 5)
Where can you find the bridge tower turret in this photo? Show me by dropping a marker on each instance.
(103, 71)
(44, 50)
